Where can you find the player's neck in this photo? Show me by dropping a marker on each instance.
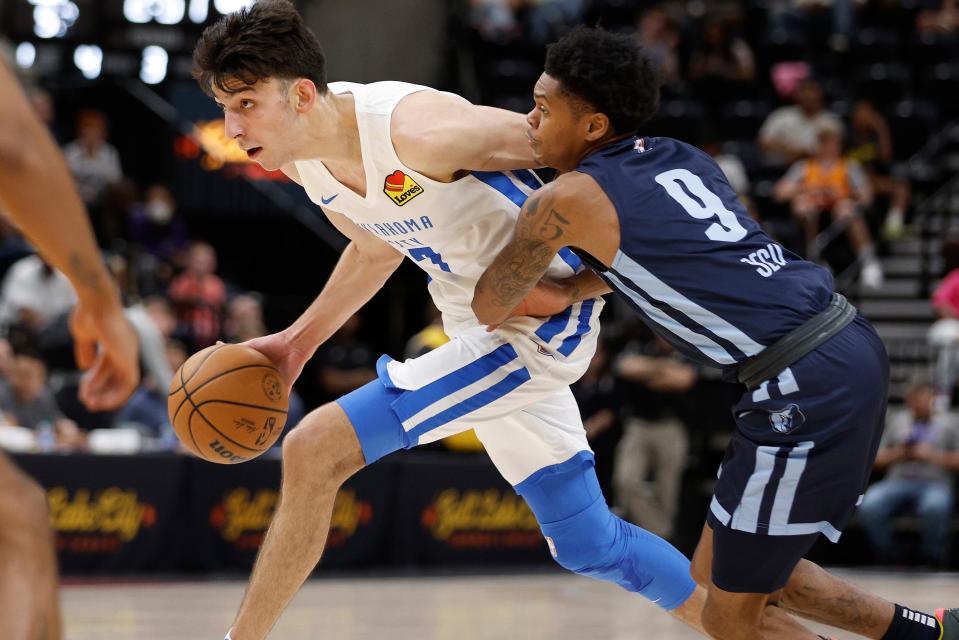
(334, 132)
(591, 147)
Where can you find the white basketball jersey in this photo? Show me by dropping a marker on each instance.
(453, 231)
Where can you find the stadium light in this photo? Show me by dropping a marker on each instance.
(154, 66)
(163, 11)
(229, 6)
(26, 54)
(88, 58)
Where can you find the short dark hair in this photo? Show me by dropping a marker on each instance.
(609, 72)
(268, 39)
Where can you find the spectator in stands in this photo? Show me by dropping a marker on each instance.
(918, 452)
(198, 295)
(659, 35)
(34, 294)
(244, 318)
(94, 162)
(792, 132)
(596, 395)
(176, 354)
(870, 144)
(734, 170)
(722, 65)
(154, 323)
(6, 361)
(944, 333)
(941, 21)
(28, 402)
(654, 440)
(13, 247)
(549, 19)
(805, 19)
(42, 104)
(430, 336)
(158, 235)
(495, 20)
(829, 183)
(345, 361)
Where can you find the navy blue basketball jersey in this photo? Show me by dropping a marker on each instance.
(691, 261)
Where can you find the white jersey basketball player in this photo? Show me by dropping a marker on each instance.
(406, 171)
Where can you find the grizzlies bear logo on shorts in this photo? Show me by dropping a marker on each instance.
(787, 420)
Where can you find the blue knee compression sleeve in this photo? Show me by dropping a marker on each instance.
(586, 538)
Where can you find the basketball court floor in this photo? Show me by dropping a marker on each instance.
(528, 607)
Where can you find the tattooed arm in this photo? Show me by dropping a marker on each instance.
(544, 226)
(37, 193)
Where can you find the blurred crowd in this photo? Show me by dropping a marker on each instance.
(809, 107)
(813, 108)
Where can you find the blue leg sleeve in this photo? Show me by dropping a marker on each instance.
(586, 538)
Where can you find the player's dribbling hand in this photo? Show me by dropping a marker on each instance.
(288, 359)
(107, 349)
(547, 298)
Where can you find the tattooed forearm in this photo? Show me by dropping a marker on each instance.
(510, 278)
(517, 270)
(540, 216)
(541, 231)
(552, 227)
(86, 276)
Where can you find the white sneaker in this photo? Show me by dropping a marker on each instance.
(871, 275)
(894, 226)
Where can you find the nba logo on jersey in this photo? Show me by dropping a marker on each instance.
(401, 188)
(787, 420)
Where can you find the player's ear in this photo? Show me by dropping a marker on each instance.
(303, 94)
(597, 126)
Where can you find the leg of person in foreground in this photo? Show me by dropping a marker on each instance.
(29, 606)
(815, 594)
(318, 456)
(37, 193)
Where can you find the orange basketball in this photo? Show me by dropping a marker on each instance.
(227, 403)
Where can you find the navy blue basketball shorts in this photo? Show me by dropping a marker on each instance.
(799, 461)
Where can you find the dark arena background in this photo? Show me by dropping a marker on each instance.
(431, 543)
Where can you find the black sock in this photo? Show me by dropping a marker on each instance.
(908, 624)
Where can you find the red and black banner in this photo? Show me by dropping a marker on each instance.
(459, 510)
(112, 513)
(124, 514)
(232, 506)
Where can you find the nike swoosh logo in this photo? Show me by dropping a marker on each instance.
(328, 200)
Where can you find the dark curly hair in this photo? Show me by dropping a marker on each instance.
(268, 39)
(609, 72)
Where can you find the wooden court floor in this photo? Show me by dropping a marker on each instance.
(532, 607)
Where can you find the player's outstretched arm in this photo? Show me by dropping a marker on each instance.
(441, 136)
(37, 193)
(362, 270)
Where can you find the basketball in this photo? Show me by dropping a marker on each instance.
(227, 403)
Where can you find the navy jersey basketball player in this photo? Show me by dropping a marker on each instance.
(659, 224)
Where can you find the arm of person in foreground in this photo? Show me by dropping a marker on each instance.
(38, 194)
